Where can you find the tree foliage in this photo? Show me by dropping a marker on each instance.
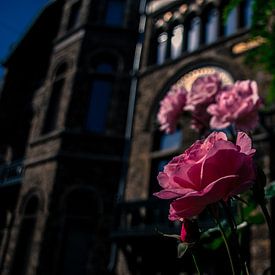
(263, 25)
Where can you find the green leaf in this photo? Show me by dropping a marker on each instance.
(214, 244)
(270, 190)
(252, 215)
(182, 248)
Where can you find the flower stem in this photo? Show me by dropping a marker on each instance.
(267, 217)
(225, 242)
(196, 263)
(233, 226)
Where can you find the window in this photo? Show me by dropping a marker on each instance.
(100, 95)
(170, 141)
(50, 123)
(177, 41)
(247, 13)
(231, 24)
(115, 12)
(211, 26)
(25, 237)
(162, 48)
(74, 15)
(78, 234)
(193, 38)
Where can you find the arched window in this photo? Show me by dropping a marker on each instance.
(231, 24)
(25, 237)
(211, 26)
(74, 15)
(51, 118)
(115, 12)
(162, 43)
(177, 41)
(193, 36)
(81, 211)
(101, 90)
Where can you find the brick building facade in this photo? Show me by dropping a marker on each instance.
(72, 86)
(63, 117)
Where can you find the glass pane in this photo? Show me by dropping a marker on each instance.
(194, 34)
(171, 141)
(231, 23)
(53, 107)
(211, 27)
(74, 15)
(248, 11)
(177, 42)
(77, 248)
(104, 68)
(101, 91)
(162, 47)
(115, 13)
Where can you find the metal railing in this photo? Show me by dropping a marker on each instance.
(143, 218)
(11, 173)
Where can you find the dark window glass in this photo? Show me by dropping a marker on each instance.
(78, 238)
(231, 23)
(162, 47)
(247, 15)
(171, 141)
(211, 26)
(74, 15)
(115, 12)
(177, 41)
(78, 241)
(100, 95)
(104, 68)
(193, 39)
(53, 107)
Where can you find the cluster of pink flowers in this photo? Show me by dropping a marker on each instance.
(213, 169)
(212, 105)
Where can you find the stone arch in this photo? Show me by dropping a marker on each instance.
(30, 207)
(61, 66)
(35, 196)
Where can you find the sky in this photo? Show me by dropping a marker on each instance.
(15, 18)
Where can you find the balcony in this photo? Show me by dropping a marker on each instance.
(143, 219)
(11, 174)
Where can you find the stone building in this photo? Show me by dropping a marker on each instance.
(63, 116)
(182, 40)
(74, 198)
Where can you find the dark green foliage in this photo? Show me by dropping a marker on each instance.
(263, 25)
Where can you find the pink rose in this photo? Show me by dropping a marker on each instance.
(239, 104)
(202, 93)
(171, 108)
(208, 171)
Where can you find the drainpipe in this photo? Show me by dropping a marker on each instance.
(129, 121)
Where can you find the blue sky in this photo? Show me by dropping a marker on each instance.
(15, 17)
